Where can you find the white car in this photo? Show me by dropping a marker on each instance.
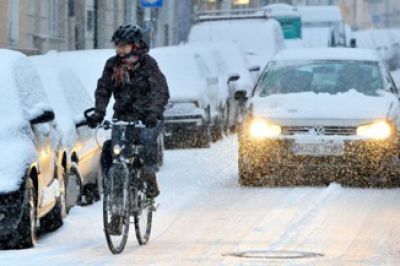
(320, 116)
(226, 60)
(81, 152)
(383, 41)
(31, 180)
(194, 104)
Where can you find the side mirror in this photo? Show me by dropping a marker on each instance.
(46, 116)
(353, 42)
(233, 77)
(240, 95)
(254, 68)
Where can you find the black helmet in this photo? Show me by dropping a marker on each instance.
(128, 34)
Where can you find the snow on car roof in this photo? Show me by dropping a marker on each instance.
(305, 54)
(229, 58)
(17, 150)
(320, 13)
(178, 64)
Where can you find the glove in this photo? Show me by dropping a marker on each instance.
(151, 120)
(95, 119)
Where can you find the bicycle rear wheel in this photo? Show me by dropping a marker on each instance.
(116, 209)
(143, 218)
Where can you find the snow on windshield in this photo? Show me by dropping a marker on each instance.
(321, 77)
(17, 149)
(30, 89)
(10, 105)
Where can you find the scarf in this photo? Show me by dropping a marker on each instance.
(122, 70)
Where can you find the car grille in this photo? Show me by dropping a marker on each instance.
(320, 130)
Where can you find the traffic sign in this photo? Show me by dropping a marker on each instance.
(151, 3)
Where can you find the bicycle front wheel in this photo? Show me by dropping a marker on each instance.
(143, 218)
(116, 210)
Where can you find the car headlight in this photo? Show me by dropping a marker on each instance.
(262, 129)
(378, 130)
(117, 150)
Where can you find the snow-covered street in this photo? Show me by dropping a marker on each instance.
(291, 110)
(206, 218)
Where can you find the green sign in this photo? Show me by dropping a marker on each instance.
(291, 26)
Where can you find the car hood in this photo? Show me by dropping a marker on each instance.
(309, 105)
(16, 155)
(187, 90)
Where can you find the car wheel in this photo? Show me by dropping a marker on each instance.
(217, 130)
(91, 194)
(27, 227)
(73, 188)
(204, 139)
(226, 119)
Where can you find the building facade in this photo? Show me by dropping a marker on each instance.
(41, 25)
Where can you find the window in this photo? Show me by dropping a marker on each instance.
(53, 18)
(13, 14)
(71, 8)
(130, 11)
(331, 77)
(90, 21)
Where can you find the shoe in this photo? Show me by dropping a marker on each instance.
(152, 192)
(152, 189)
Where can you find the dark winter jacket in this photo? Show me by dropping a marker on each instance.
(146, 93)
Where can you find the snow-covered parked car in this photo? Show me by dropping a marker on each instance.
(81, 153)
(195, 99)
(322, 115)
(383, 41)
(31, 180)
(226, 60)
(258, 36)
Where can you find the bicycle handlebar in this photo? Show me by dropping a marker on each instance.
(107, 124)
(80, 124)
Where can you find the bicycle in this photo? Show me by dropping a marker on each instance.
(124, 191)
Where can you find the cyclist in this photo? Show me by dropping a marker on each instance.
(140, 91)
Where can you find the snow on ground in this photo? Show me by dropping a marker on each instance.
(205, 216)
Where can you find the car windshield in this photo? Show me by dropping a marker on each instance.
(321, 77)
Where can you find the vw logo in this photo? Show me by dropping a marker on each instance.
(319, 130)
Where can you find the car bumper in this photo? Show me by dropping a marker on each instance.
(183, 126)
(358, 158)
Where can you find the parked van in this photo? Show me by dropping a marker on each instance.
(290, 20)
(257, 35)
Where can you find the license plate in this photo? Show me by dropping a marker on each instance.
(318, 149)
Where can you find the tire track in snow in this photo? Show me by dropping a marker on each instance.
(298, 224)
